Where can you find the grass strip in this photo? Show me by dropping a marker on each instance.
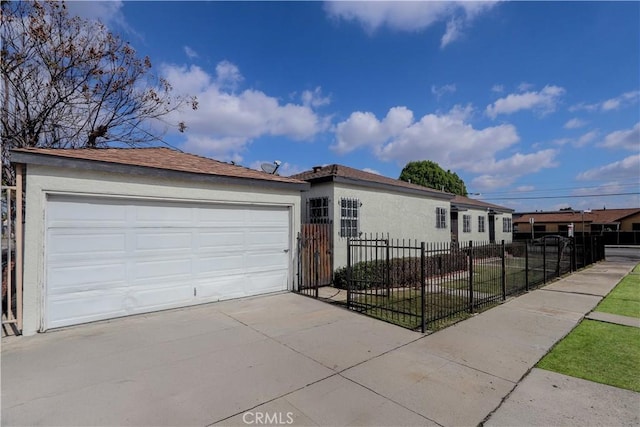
(597, 351)
(624, 299)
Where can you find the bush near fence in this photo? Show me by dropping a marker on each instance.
(402, 272)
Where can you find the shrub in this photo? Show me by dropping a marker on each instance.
(401, 272)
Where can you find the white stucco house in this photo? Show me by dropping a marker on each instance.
(113, 232)
(480, 221)
(356, 203)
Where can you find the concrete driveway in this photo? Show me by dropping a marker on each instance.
(287, 359)
(200, 365)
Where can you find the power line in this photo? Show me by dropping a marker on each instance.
(562, 197)
(547, 190)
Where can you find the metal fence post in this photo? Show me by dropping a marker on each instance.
(388, 269)
(349, 273)
(422, 286)
(504, 271)
(544, 260)
(560, 250)
(470, 276)
(526, 265)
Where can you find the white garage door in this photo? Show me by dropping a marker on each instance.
(110, 258)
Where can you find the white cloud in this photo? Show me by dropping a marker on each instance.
(364, 129)
(628, 167)
(525, 188)
(228, 74)
(442, 90)
(524, 86)
(314, 98)
(586, 139)
(627, 99)
(624, 100)
(628, 139)
(575, 123)
(544, 101)
(410, 16)
(497, 88)
(454, 32)
(502, 173)
(190, 52)
(372, 171)
(225, 122)
(108, 12)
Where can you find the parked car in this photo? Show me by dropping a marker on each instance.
(551, 240)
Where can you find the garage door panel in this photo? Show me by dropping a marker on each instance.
(162, 240)
(67, 242)
(221, 239)
(72, 278)
(156, 269)
(74, 214)
(229, 264)
(110, 258)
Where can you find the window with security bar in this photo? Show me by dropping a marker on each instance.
(466, 223)
(481, 224)
(349, 217)
(319, 209)
(506, 225)
(441, 218)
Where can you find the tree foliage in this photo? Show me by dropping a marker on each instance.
(70, 82)
(430, 174)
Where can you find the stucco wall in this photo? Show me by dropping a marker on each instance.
(627, 223)
(44, 180)
(402, 216)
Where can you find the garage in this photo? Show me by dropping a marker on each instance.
(111, 258)
(130, 231)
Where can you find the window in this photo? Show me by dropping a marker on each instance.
(349, 217)
(635, 226)
(481, 224)
(539, 228)
(466, 223)
(506, 225)
(441, 218)
(319, 209)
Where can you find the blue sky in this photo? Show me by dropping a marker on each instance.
(521, 99)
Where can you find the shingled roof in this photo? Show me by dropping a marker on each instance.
(156, 159)
(596, 216)
(466, 202)
(345, 174)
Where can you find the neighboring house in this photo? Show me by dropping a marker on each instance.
(113, 232)
(479, 221)
(358, 202)
(594, 221)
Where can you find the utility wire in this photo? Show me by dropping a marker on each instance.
(561, 197)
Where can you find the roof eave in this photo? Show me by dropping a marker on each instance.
(103, 166)
(380, 185)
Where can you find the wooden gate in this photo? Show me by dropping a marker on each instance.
(315, 260)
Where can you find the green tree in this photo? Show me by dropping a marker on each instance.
(430, 174)
(69, 82)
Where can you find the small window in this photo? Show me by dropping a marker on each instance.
(506, 225)
(319, 209)
(635, 226)
(481, 224)
(349, 215)
(441, 218)
(466, 223)
(540, 228)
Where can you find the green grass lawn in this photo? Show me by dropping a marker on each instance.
(624, 299)
(600, 352)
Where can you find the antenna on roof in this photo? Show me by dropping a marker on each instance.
(271, 168)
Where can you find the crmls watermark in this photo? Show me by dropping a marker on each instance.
(267, 418)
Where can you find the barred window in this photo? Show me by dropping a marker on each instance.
(481, 224)
(466, 223)
(506, 225)
(319, 209)
(349, 216)
(441, 218)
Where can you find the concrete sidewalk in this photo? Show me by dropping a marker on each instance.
(289, 359)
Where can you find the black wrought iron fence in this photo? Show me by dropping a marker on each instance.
(425, 286)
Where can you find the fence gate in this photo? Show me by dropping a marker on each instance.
(315, 261)
(12, 240)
